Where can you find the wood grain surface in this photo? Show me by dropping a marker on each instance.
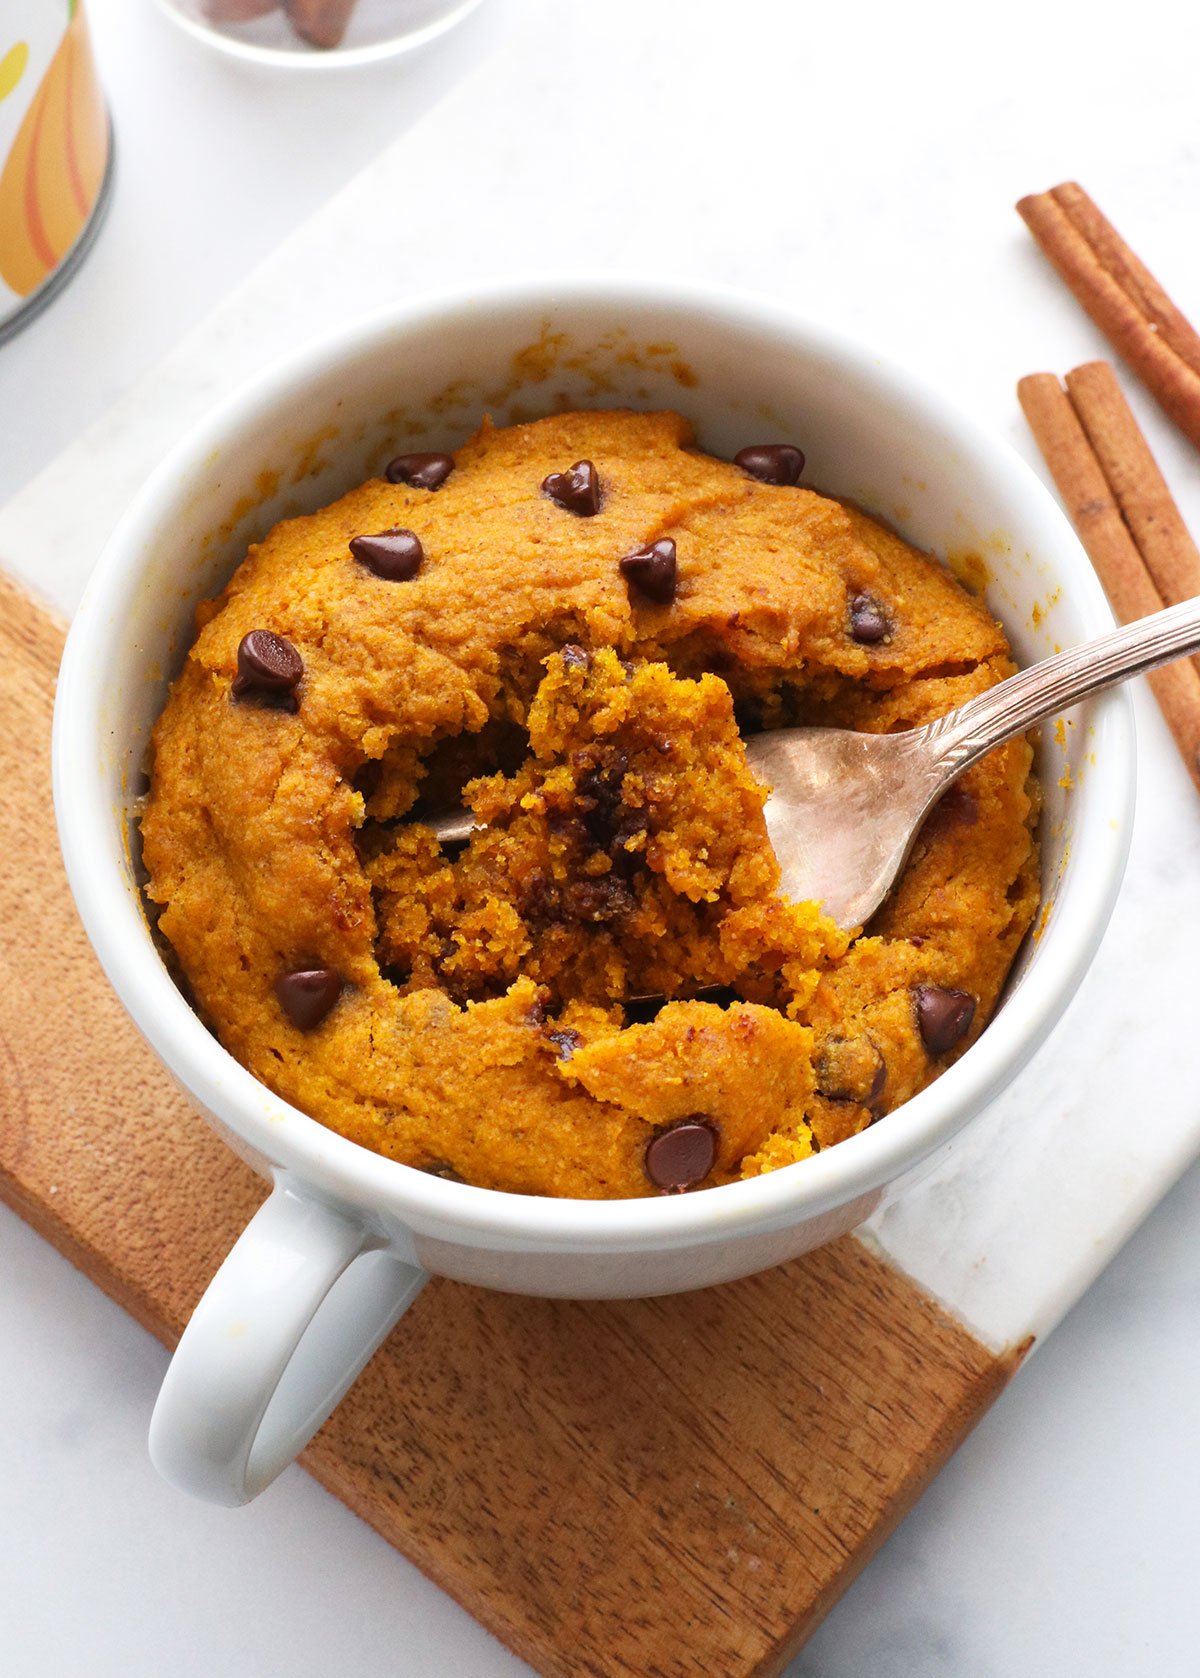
(653, 1488)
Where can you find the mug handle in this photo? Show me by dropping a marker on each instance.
(253, 1376)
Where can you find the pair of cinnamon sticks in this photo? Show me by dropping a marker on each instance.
(1122, 296)
(1097, 454)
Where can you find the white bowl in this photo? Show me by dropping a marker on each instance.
(378, 29)
(422, 375)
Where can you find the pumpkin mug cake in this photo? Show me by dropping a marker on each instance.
(568, 626)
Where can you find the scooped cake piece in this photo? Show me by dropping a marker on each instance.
(627, 854)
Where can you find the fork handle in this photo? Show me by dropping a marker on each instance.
(967, 733)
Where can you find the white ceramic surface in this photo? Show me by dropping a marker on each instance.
(320, 422)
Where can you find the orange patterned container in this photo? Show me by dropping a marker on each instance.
(55, 152)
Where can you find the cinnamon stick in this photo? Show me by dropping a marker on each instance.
(1141, 492)
(1122, 296)
(1092, 502)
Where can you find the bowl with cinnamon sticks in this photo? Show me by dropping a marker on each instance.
(316, 34)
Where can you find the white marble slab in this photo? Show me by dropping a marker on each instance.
(861, 163)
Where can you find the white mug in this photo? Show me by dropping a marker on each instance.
(346, 1238)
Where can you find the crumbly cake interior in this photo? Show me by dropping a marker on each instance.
(577, 655)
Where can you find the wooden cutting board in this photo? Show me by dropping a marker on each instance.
(651, 1488)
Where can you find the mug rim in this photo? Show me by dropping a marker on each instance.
(327, 1161)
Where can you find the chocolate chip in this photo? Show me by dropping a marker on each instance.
(307, 995)
(632, 823)
(575, 658)
(607, 898)
(422, 471)
(541, 901)
(851, 1069)
(395, 555)
(576, 491)
(565, 1041)
(869, 622)
(771, 463)
(598, 792)
(682, 1155)
(269, 667)
(957, 807)
(943, 1016)
(651, 571)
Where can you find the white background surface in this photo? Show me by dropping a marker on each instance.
(865, 165)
